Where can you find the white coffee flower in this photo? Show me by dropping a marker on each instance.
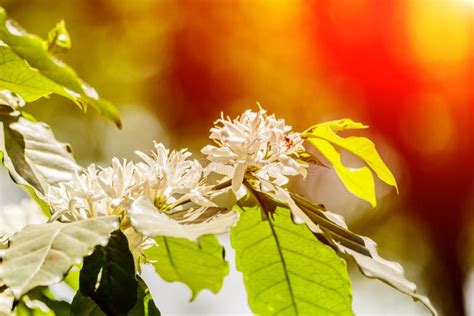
(258, 143)
(171, 177)
(121, 183)
(176, 201)
(80, 198)
(167, 178)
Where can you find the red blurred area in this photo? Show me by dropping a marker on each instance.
(371, 49)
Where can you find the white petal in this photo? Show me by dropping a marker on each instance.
(199, 199)
(151, 222)
(220, 168)
(239, 174)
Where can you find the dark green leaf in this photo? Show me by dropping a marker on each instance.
(145, 305)
(286, 269)
(108, 276)
(199, 265)
(84, 306)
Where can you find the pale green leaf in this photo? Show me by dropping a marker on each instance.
(362, 249)
(286, 269)
(358, 181)
(198, 265)
(33, 156)
(40, 255)
(27, 68)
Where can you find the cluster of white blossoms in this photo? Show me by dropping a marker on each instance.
(255, 143)
(164, 177)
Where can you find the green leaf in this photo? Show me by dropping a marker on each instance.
(22, 309)
(34, 195)
(286, 269)
(32, 154)
(17, 76)
(27, 68)
(362, 249)
(46, 297)
(40, 302)
(198, 265)
(358, 181)
(40, 255)
(58, 39)
(108, 276)
(145, 305)
(84, 306)
(72, 278)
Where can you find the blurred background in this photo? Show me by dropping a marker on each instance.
(404, 67)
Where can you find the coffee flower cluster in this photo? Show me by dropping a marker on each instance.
(254, 144)
(164, 177)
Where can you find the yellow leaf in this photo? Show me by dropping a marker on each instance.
(362, 147)
(339, 125)
(358, 181)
